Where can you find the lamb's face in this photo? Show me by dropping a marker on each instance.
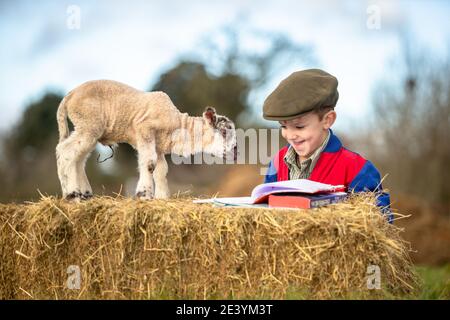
(223, 130)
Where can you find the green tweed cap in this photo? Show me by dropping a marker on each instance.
(301, 92)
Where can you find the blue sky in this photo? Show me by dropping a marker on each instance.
(134, 41)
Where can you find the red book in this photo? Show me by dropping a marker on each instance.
(304, 201)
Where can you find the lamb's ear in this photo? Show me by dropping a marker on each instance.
(210, 115)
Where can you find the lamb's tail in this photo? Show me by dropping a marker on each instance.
(61, 117)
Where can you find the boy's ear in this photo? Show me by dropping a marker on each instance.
(210, 115)
(329, 119)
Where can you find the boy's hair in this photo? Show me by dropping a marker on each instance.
(322, 111)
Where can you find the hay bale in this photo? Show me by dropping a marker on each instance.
(129, 249)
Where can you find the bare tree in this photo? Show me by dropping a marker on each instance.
(409, 136)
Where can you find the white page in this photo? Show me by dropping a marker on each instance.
(244, 202)
(234, 201)
(203, 200)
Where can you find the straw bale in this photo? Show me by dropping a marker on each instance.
(132, 249)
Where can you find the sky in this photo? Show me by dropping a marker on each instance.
(135, 41)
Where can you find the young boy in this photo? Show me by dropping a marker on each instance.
(303, 104)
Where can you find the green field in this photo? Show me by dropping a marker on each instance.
(436, 282)
(435, 286)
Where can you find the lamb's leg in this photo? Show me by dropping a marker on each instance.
(147, 158)
(83, 182)
(160, 177)
(61, 163)
(70, 153)
(65, 160)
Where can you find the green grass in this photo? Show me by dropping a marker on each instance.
(435, 285)
(436, 282)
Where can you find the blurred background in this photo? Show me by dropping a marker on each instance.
(391, 59)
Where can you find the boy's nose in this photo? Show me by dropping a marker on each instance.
(291, 135)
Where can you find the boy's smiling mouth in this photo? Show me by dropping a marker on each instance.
(297, 143)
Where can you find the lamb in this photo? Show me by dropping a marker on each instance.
(111, 112)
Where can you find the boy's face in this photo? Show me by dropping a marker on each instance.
(306, 133)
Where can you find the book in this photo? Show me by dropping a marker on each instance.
(260, 194)
(289, 200)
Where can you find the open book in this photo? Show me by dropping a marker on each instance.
(260, 193)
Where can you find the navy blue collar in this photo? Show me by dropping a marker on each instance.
(334, 144)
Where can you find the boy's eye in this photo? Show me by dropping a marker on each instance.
(299, 127)
(283, 127)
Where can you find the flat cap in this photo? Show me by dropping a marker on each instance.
(301, 92)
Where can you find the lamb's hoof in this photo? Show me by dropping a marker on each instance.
(162, 195)
(74, 196)
(87, 195)
(144, 195)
